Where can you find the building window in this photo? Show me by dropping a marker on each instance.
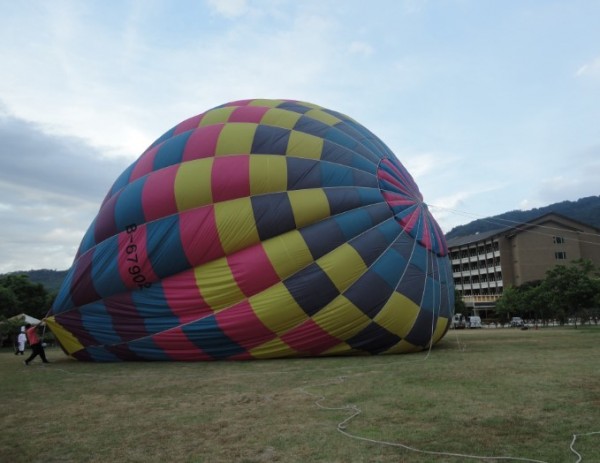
(558, 239)
(560, 255)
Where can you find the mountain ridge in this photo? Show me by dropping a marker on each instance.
(585, 210)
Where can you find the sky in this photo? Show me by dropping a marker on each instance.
(492, 106)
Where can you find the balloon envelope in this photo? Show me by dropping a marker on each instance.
(258, 229)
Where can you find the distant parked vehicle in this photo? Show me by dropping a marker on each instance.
(459, 321)
(475, 322)
(516, 321)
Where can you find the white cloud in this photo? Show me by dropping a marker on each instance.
(120, 89)
(446, 209)
(229, 8)
(590, 69)
(360, 48)
(421, 164)
(51, 188)
(456, 207)
(89, 81)
(414, 6)
(576, 177)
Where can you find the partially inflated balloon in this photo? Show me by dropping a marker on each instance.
(258, 229)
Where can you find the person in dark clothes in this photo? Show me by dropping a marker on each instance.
(36, 344)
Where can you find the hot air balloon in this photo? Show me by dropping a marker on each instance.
(258, 229)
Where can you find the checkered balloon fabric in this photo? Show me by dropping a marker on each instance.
(258, 229)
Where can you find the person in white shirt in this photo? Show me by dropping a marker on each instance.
(21, 340)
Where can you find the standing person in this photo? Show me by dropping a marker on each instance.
(21, 340)
(36, 344)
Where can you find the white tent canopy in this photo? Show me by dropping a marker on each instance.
(26, 319)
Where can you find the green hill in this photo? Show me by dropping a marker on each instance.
(50, 279)
(585, 210)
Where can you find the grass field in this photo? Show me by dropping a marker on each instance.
(491, 392)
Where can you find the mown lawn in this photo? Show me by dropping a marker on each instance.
(490, 392)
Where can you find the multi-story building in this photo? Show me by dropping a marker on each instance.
(485, 263)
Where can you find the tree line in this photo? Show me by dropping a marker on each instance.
(18, 295)
(567, 294)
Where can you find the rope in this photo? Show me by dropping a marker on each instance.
(44, 333)
(354, 411)
(431, 452)
(573, 443)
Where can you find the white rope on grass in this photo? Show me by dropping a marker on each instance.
(572, 446)
(431, 452)
(355, 411)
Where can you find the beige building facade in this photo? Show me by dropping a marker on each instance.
(485, 263)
